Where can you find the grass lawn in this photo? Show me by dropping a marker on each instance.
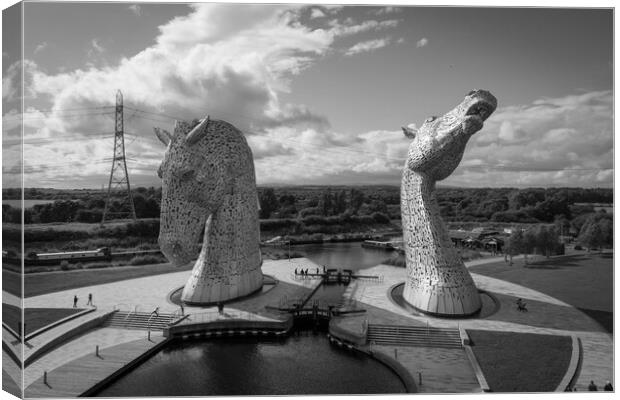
(584, 281)
(521, 362)
(36, 318)
(48, 282)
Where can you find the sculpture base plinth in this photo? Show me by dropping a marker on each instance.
(213, 290)
(444, 301)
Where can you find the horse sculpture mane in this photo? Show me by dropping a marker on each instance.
(209, 193)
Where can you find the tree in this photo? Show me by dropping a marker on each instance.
(268, 203)
(515, 243)
(356, 201)
(529, 244)
(562, 224)
(607, 231)
(591, 236)
(546, 240)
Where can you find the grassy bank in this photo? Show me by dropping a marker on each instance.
(42, 283)
(521, 362)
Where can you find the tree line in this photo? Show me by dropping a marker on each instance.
(503, 205)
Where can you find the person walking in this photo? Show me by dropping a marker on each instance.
(75, 300)
(608, 387)
(90, 299)
(592, 387)
(155, 312)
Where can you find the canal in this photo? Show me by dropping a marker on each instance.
(304, 363)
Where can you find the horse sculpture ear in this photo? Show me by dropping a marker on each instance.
(163, 135)
(409, 132)
(198, 132)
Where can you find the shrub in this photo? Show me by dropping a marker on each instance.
(64, 265)
(396, 260)
(147, 259)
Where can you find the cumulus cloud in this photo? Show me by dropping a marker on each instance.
(40, 47)
(317, 13)
(349, 27)
(367, 46)
(386, 10)
(136, 9)
(97, 46)
(552, 141)
(231, 62)
(422, 42)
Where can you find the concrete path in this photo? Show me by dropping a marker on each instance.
(597, 343)
(81, 346)
(79, 375)
(11, 299)
(149, 292)
(145, 293)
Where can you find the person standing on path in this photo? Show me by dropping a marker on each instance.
(608, 387)
(592, 387)
(75, 300)
(90, 299)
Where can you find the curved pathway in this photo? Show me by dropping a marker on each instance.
(150, 292)
(597, 344)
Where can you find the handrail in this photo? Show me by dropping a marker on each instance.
(211, 316)
(135, 311)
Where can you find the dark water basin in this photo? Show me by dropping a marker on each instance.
(305, 363)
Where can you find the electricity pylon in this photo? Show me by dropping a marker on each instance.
(118, 185)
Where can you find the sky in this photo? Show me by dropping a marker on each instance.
(320, 91)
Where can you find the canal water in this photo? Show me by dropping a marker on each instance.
(348, 255)
(304, 363)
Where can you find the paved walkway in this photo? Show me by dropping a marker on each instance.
(11, 299)
(150, 292)
(146, 293)
(81, 346)
(597, 344)
(79, 375)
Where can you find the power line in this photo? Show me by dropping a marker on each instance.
(20, 118)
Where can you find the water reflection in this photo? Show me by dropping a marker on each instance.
(349, 255)
(303, 364)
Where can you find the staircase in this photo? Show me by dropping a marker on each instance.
(414, 336)
(138, 320)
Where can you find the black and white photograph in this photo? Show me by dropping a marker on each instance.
(224, 199)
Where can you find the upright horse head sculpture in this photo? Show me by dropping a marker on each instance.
(437, 280)
(209, 189)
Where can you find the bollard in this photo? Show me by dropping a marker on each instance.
(45, 377)
(420, 377)
(97, 350)
(149, 335)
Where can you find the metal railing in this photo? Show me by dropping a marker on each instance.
(212, 316)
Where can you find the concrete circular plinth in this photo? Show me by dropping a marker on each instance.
(490, 305)
(269, 283)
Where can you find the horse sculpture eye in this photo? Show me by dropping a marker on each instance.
(430, 119)
(187, 175)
